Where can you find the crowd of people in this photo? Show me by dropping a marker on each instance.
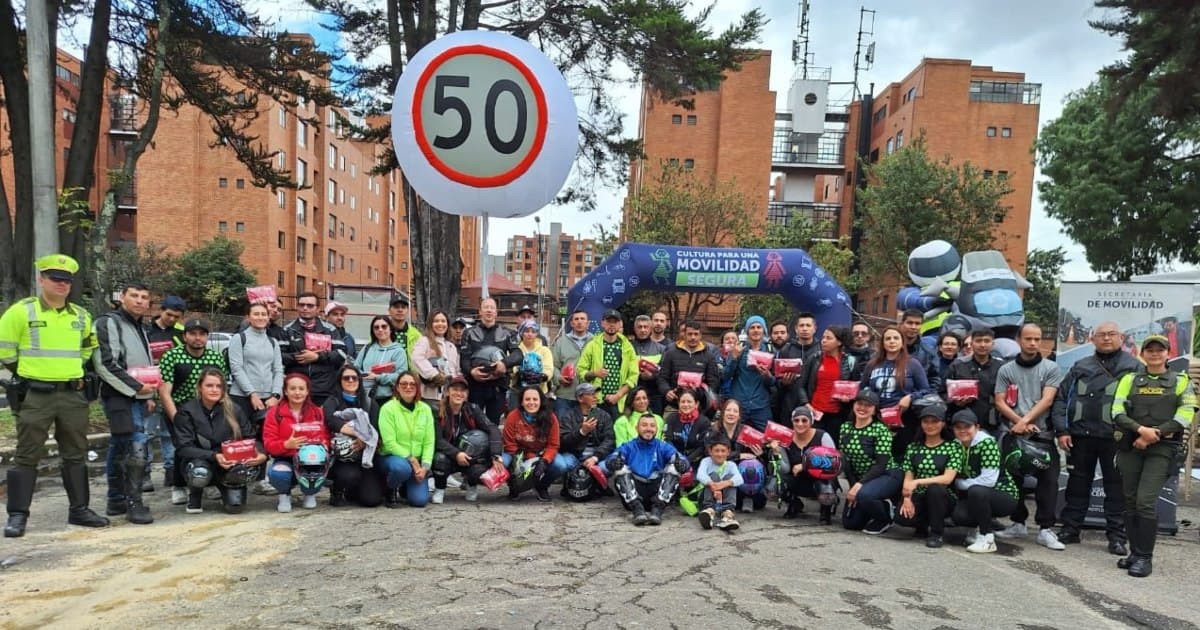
(925, 435)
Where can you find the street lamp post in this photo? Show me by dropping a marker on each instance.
(537, 234)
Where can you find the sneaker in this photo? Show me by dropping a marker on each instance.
(934, 541)
(310, 502)
(1016, 530)
(285, 504)
(438, 497)
(1047, 538)
(179, 496)
(455, 481)
(971, 537)
(264, 488)
(430, 483)
(983, 543)
(728, 522)
(472, 494)
(194, 499)
(212, 493)
(707, 516)
(876, 527)
(1070, 537)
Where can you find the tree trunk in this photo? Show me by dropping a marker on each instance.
(16, 97)
(8, 292)
(81, 159)
(436, 256)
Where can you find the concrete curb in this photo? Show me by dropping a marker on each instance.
(97, 442)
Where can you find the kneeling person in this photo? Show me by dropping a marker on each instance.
(721, 480)
(202, 425)
(467, 442)
(645, 472)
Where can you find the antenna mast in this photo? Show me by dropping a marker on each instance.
(864, 51)
(800, 55)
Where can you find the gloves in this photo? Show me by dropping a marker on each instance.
(539, 468)
(618, 462)
(681, 463)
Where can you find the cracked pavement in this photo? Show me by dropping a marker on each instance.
(497, 564)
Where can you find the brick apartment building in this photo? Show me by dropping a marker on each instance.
(343, 226)
(971, 113)
(549, 264)
(726, 137)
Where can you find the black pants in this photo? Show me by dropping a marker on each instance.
(908, 432)
(1045, 496)
(932, 507)
(647, 494)
(831, 423)
(980, 506)
(444, 466)
(490, 399)
(1081, 467)
(364, 486)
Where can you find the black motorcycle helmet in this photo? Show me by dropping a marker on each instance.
(474, 443)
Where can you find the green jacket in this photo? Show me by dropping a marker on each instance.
(625, 427)
(1144, 399)
(408, 339)
(407, 433)
(592, 358)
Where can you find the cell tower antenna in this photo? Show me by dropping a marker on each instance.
(864, 51)
(800, 55)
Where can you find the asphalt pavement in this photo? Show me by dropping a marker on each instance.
(500, 564)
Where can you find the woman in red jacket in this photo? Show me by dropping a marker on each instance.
(531, 432)
(282, 440)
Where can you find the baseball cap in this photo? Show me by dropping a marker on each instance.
(334, 305)
(457, 381)
(612, 313)
(460, 321)
(867, 396)
(57, 266)
(173, 303)
(399, 299)
(936, 410)
(529, 324)
(584, 389)
(802, 412)
(526, 308)
(193, 324)
(964, 416)
(1159, 339)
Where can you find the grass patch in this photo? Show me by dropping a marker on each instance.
(97, 423)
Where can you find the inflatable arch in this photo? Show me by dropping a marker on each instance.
(635, 267)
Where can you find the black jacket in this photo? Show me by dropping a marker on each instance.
(850, 370)
(787, 397)
(679, 359)
(336, 403)
(602, 440)
(689, 441)
(469, 418)
(324, 372)
(1085, 398)
(968, 369)
(199, 432)
(476, 338)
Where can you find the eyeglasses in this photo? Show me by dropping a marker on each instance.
(407, 385)
(861, 333)
(1106, 335)
(381, 326)
(350, 378)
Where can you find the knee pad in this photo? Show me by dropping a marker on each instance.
(826, 494)
(625, 487)
(198, 475)
(442, 464)
(667, 485)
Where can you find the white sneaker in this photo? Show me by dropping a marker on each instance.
(178, 496)
(310, 502)
(1016, 530)
(971, 537)
(430, 484)
(265, 488)
(438, 496)
(1048, 539)
(212, 493)
(472, 493)
(748, 508)
(455, 481)
(285, 504)
(984, 543)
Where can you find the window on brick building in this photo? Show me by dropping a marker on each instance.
(302, 134)
(280, 279)
(279, 198)
(333, 221)
(351, 233)
(910, 94)
(987, 174)
(239, 227)
(222, 226)
(891, 146)
(691, 120)
(351, 265)
(333, 156)
(222, 182)
(880, 114)
(331, 188)
(301, 249)
(391, 253)
(991, 132)
(341, 261)
(342, 229)
(899, 139)
(282, 242)
(1002, 174)
(1006, 132)
(330, 260)
(689, 164)
(404, 265)
(301, 211)
(391, 279)
(301, 173)
(301, 284)
(392, 227)
(676, 119)
(240, 183)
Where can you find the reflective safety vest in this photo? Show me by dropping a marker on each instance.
(1152, 399)
(47, 344)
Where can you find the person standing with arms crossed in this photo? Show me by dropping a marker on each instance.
(45, 342)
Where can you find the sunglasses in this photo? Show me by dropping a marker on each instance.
(349, 378)
(381, 326)
(861, 334)
(407, 385)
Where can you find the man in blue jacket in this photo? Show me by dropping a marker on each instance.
(646, 472)
(752, 383)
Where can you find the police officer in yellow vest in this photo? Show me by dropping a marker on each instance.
(1152, 409)
(45, 342)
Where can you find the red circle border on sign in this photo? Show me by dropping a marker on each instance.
(423, 142)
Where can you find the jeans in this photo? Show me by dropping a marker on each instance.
(563, 405)
(156, 425)
(728, 500)
(399, 472)
(123, 448)
(757, 418)
(870, 502)
(562, 464)
(283, 478)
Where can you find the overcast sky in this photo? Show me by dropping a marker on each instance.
(1050, 41)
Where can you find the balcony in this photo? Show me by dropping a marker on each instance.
(824, 216)
(122, 117)
(790, 150)
(128, 198)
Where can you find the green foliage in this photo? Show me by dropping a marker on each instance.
(801, 232)
(1126, 187)
(150, 264)
(73, 210)
(1043, 269)
(912, 199)
(212, 274)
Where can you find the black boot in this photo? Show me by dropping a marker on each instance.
(75, 481)
(233, 499)
(138, 513)
(337, 497)
(655, 517)
(826, 517)
(20, 494)
(639, 514)
(1147, 532)
(117, 507)
(1131, 533)
(543, 492)
(795, 508)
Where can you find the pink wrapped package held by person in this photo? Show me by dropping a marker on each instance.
(783, 367)
(689, 380)
(758, 358)
(844, 391)
(891, 416)
(383, 368)
(494, 477)
(313, 432)
(239, 450)
(776, 431)
(264, 294)
(646, 365)
(749, 436)
(318, 342)
(146, 375)
(960, 389)
(159, 348)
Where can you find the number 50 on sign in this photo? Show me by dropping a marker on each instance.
(483, 123)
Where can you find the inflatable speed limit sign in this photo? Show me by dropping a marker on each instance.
(484, 124)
